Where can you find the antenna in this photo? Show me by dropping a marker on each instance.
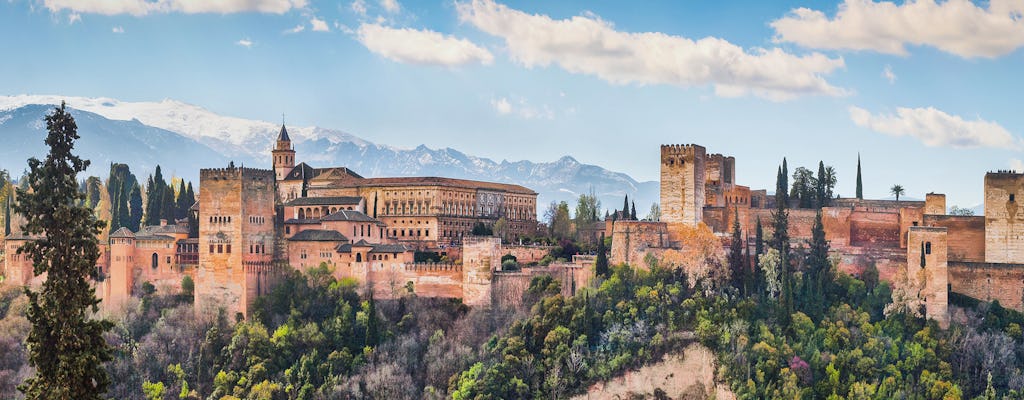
(282, 119)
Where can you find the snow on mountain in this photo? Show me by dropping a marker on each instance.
(249, 142)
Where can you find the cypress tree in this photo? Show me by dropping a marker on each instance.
(372, 325)
(860, 185)
(65, 346)
(115, 209)
(632, 214)
(180, 208)
(601, 264)
(625, 208)
(818, 270)
(92, 189)
(134, 208)
(153, 197)
(922, 255)
(785, 180)
(820, 197)
(736, 264)
(758, 250)
(123, 217)
(167, 205)
(780, 242)
(7, 216)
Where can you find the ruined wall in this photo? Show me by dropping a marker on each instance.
(929, 275)
(682, 184)
(631, 240)
(966, 235)
(935, 204)
(1004, 221)
(989, 281)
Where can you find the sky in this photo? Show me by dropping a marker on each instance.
(924, 92)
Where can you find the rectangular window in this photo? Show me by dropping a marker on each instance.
(1011, 197)
(220, 248)
(229, 249)
(211, 249)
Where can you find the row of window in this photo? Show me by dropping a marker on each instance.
(256, 219)
(220, 248)
(402, 232)
(218, 219)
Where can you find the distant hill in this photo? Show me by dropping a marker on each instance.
(183, 138)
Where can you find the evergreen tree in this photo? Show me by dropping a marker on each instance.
(821, 192)
(374, 202)
(601, 264)
(65, 346)
(123, 211)
(7, 216)
(167, 205)
(860, 185)
(180, 206)
(134, 208)
(190, 195)
(785, 180)
(818, 271)
(92, 190)
(632, 214)
(372, 323)
(780, 242)
(625, 208)
(758, 251)
(115, 209)
(736, 265)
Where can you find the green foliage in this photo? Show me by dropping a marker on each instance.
(66, 346)
(587, 207)
(188, 287)
(860, 184)
(601, 263)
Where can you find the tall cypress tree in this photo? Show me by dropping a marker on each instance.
(817, 276)
(123, 212)
(820, 197)
(115, 207)
(780, 241)
(860, 185)
(758, 250)
(167, 205)
(736, 264)
(601, 264)
(180, 206)
(632, 213)
(625, 208)
(153, 197)
(134, 208)
(7, 216)
(65, 345)
(785, 181)
(372, 323)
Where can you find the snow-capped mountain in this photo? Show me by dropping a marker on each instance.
(183, 138)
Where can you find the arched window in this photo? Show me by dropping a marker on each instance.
(156, 260)
(928, 248)
(359, 257)
(302, 214)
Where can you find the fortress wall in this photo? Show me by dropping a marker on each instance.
(1004, 221)
(989, 281)
(631, 240)
(966, 235)
(389, 279)
(878, 229)
(527, 254)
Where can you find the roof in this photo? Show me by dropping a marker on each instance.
(324, 201)
(18, 236)
(195, 207)
(374, 248)
(318, 235)
(306, 221)
(154, 237)
(336, 173)
(300, 172)
(449, 182)
(350, 216)
(122, 233)
(162, 229)
(283, 136)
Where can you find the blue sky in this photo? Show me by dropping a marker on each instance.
(925, 92)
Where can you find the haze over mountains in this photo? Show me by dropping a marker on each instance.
(183, 138)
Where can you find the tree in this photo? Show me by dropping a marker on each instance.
(92, 190)
(372, 322)
(500, 228)
(167, 205)
(181, 203)
(632, 214)
(65, 345)
(561, 224)
(134, 208)
(601, 264)
(817, 276)
(860, 185)
(897, 190)
(821, 187)
(586, 209)
(960, 211)
(780, 242)
(785, 180)
(116, 205)
(736, 264)
(804, 187)
(758, 251)
(625, 207)
(831, 179)
(655, 213)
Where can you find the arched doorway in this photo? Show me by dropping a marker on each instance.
(359, 257)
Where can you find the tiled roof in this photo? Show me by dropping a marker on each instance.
(374, 248)
(283, 136)
(349, 215)
(122, 233)
(302, 221)
(318, 235)
(324, 201)
(154, 237)
(162, 229)
(449, 182)
(300, 172)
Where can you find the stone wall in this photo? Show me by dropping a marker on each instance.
(966, 235)
(935, 204)
(1004, 221)
(989, 281)
(527, 254)
(631, 240)
(481, 257)
(508, 287)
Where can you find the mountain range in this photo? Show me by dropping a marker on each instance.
(182, 138)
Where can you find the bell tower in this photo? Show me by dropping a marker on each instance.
(283, 154)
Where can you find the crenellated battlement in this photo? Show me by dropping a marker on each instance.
(234, 173)
(678, 154)
(433, 267)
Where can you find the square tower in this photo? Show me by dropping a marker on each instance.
(236, 238)
(682, 183)
(928, 270)
(1004, 221)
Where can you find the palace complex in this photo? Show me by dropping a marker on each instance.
(256, 225)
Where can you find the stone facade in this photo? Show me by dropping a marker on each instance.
(928, 271)
(1004, 219)
(682, 183)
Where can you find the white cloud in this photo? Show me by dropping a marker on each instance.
(390, 6)
(955, 26)
(319, 25)
(74, 17)
(522, 109)
(502, 106)
(588, 45)
(117, 29)
(936, 128)
(298, 28)
(144, 7)
(888, 74)
(421, 46)
(359, 7)
(1017, 165)
(245, 43)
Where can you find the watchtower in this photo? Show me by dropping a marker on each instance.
(283, 154)
(1004, 221)
(928, 270)
(682, 183)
